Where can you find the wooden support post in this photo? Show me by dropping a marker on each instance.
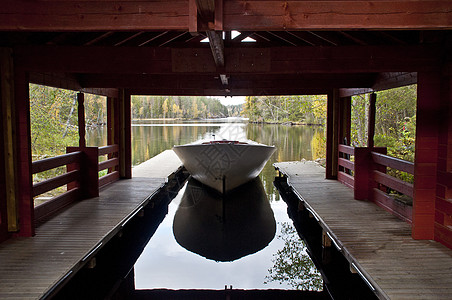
(112, 121)
(345, 113)
(24, 180)
(125, 135)
(363, 171)
(3, 216)
(345, 117)
(112, 126)
(426, 155)
(89, 175)
(7, 100)
(443, 205)
(332, 134)
(371, 120)
(81, 119)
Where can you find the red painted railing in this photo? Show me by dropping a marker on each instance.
(364, 170)
(81, 177)
(384, 181)
(112, 164)
(57, 202)
(346, 166)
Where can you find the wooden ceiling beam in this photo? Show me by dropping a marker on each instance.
(225, 91)
(243, 60)
(384, 81)
(251, 15)
(234, 82)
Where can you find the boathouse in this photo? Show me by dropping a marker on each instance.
(121, 48)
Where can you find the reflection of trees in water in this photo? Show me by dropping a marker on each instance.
(292, 264)
(318, 145)
(293, 143)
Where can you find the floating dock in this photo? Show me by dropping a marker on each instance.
(378, 245)
(34, 268)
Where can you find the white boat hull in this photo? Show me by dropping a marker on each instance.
(224, 166)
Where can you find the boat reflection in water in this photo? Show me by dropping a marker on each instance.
(224, 228)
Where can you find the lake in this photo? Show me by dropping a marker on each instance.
(246, 241)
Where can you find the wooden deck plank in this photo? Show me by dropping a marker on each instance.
(30, 267)
(377, 242)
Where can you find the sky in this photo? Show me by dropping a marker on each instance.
(232, 100)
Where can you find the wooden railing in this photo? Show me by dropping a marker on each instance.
(111, 164)
(364, 170)
(346, 166)
(48, 207)
(81, 177)
(384, 181)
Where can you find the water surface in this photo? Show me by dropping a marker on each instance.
(177, 258)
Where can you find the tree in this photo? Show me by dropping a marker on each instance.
(306, 109)
(165, 108)
(292, 264)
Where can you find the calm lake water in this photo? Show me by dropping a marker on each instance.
(246, 241)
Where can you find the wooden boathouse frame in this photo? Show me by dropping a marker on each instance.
(121, 48)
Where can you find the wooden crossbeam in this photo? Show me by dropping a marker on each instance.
(148, 60)
(254, 15)
(181, 81)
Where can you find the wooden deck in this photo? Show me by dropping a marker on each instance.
(378, 244)
(30, 268)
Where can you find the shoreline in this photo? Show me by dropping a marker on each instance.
(286, 123)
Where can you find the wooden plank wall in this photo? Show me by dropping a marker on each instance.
(443, 203)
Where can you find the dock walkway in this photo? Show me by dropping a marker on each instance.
(31, 268)
(378, 244)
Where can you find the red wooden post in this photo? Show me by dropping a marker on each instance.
(363, 172)
(426, 155)
(112, 121)
(81, 119)
(345, 107)
(125, 135)
(73, 167)
(112, 126)
(23, 151)
(371, 120)
(89, 178)
(3, 221)
(332, 135)
(345, 120)
(443, 206)
(9, 213)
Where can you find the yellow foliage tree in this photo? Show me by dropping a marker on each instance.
(165, 108)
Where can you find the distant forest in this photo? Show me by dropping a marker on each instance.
(279, 109)
(53, 114)
(395, 117)
(180, 107)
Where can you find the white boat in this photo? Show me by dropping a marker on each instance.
(224, 165)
